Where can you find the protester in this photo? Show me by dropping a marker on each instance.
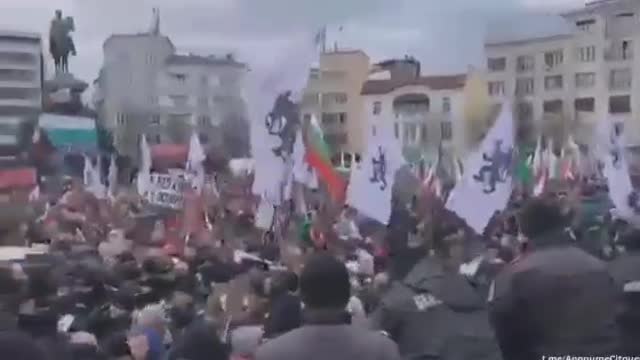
(626, 273)
(557, 299)
(326, 334)
(285, 308)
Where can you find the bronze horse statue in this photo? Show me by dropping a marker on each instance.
(60, 42)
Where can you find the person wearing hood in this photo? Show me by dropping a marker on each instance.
(626, 273)
(556, 298)
(435, 312)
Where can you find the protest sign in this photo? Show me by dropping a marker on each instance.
(166, 190)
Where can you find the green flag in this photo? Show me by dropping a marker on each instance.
(524, 167)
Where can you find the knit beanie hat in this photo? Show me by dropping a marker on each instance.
(324, 283)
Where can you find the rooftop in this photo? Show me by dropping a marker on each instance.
(527, 27)
(192, 59)
(441, 82)
(19, 34)
(137, 36)
(598, 6)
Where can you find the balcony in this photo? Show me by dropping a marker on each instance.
(620, 51)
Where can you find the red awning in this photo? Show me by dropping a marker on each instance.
(169, 154)
(17, 177)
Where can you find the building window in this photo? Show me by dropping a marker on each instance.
(310, 99)
(553, 82)
(150, 59)
(620, 104)
(410, 133)
(496, 88)
(203, 101)
(306, 117)
(158, 139)
(423, 133)
(585, 104)
(334, 118)
(552, 106)
(204, 80)
(335, 98)
(524, 111)
(524, 86)
(155, 120)
(333, 75)
(377, 107)
(121, 118)
(497, 64)
(620, 51)
(446, 131)
(204, 120)
(525, 63)
(585, 80)
(446, 105)
(396, 130)
(336, 140)
(179, 100)
(332, 98)
(620, 79)
(585, 25)
(553, 59)
(180, 78)
(587, 53)
(314, 74)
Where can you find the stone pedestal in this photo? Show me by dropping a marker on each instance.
(63, 93)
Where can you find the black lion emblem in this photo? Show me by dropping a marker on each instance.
(283, 121)
(497, 169)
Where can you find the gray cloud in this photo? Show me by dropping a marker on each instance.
(445, 35)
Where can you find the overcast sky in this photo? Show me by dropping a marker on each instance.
(446, 36)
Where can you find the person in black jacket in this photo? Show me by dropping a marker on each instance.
(285, 310)
(556, 299)
(626, 273)
(435, 312)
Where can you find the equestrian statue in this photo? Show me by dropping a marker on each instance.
(60, 41)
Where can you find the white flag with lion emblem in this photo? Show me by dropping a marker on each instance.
(273, 92)
(611, 151)
(487, 186)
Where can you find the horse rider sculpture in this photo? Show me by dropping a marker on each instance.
(60, 41)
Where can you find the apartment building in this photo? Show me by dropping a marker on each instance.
(126, 89)
(145, 86)
(21, 75)
(201, 91)
(427, 111)
(333, 95)
(566, 82)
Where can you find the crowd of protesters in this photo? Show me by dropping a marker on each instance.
(424, 287)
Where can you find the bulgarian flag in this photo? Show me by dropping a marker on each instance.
(318, 156)
(540, 169)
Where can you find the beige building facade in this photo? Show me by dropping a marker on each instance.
(333, 96)
(427, 112)
(569, 81)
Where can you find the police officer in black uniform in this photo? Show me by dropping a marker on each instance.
(435, 313)
(557, 299)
